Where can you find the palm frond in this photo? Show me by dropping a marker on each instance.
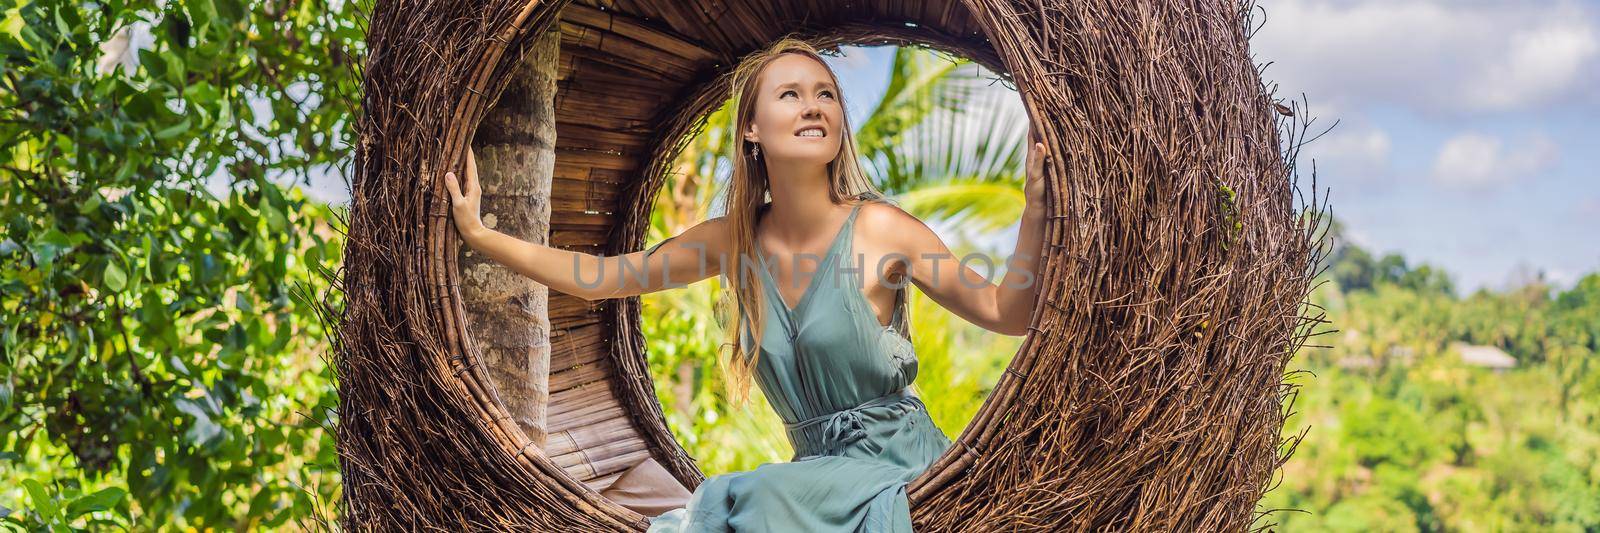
(976, 203)
(943, 122)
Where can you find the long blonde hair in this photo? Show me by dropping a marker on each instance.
(744, 199)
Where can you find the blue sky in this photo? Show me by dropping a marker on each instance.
(1467, 132)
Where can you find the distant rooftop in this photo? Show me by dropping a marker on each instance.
(1484, 356)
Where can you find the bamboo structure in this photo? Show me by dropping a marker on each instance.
(1148, 394)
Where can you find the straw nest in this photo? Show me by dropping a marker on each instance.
(1149, 394)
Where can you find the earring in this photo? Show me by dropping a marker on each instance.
(755, 151)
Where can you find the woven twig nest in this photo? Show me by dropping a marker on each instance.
(1148, 395)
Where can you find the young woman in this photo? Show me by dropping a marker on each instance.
(834, 357)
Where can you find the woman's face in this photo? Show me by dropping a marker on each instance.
(797, 112)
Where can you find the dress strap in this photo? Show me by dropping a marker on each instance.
(899, 306)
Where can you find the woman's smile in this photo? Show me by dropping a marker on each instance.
(811, 132)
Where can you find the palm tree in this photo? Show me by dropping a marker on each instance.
(947, 142)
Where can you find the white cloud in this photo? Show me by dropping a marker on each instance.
(1354, 158)
(1359, 238)
(1437, 56)
(1542, 63)
(1561, 277)
(1366, 147)
(1475, 160)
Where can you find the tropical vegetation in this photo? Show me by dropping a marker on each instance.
(164, 280)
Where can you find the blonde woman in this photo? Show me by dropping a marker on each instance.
(825, 262)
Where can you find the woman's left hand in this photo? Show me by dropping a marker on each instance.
(1033, 189)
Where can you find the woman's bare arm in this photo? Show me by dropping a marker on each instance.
(1006, 308)
(686, 258)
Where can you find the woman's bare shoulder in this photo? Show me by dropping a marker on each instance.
(896, 231)
(887, 218)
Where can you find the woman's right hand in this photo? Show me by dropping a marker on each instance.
(464, 206)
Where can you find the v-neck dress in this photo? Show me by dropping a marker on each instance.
(841, 383)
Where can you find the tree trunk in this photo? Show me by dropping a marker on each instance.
(508, 313)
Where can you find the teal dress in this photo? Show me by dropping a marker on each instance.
(841, 383)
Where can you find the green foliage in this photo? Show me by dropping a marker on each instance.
(947, 142)
(159, 347)
(159, 283)
(1355, 269)
(1403, 435)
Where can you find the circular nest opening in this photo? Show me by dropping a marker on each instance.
(1148, 394)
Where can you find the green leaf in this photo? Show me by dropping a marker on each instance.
(153, 63)
(89, 206)
(13, 23)
(173, 130)
(61, 23)
(204, 429)
(42, 502)
(116, 279)
(99, 501)
(51, 246)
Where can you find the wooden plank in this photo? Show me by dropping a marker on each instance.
(571, 399)
(577, 376)
(629, 101)
(625, 49)
(595, 159)
(568, 311)
(596, 413)
(585, 220)
(593, 416)
(632, 139)
(605, 458)
(599, 452)
(580, 471)
(577, 360)
(608, 81)
(575, 205)
(588, 69)
(707, 19)
(624, 53)
(571, 116)
(642, 107)
(637, 30)
(689, 18)
(579, 204)
(578, 418)
(644, 111)
(587, 60)
(763, 16)
(581, 438)
(564, 360)
(568, 175)
(574, 237)
(576, 178)
(565, 66)
(600, 484)
(620, 463)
